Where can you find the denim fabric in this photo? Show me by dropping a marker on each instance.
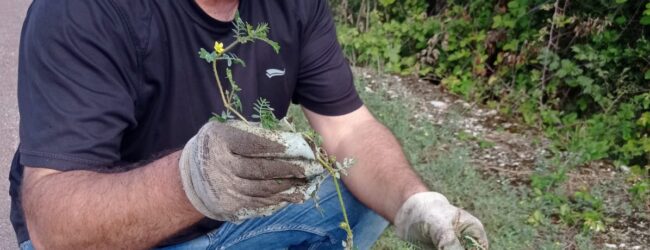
(297, 226)
(26, 245)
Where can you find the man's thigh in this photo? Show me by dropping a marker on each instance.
(299, 226)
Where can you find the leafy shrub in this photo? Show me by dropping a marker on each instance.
(578, 70)
(387, 36)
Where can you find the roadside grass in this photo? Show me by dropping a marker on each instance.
(503, 208)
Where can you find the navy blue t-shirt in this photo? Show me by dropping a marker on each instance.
(108, 83)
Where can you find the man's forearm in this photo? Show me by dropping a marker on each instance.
(382, 177)
(83, 209)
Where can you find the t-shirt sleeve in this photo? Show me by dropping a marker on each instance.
(75, 85)
(325, 83)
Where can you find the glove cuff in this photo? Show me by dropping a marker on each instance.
(408, 215)
(186, 167)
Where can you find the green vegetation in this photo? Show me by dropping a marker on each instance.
(579, 71)
(247, 33)
(244, 33)
(503, 209)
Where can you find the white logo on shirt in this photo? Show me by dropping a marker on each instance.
(274, 72)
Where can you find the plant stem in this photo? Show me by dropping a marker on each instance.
(332, 172)
(226, 103)
(230, 47)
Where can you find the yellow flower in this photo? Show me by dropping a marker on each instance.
(218, 47)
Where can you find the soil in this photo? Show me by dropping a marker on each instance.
(507, 150)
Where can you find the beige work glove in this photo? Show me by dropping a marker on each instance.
(429, 219)
(233, 171)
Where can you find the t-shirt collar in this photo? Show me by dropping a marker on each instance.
(202, 18)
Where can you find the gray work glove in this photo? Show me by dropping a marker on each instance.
(233, 171)
(428, 218)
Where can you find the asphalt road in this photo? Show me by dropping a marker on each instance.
(12, 13)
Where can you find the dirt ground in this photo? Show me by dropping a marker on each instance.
(507, 150)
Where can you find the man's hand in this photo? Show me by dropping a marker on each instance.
(232, 171)
(429, 218)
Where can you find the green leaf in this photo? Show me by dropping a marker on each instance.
(647, 75)
(236, 59)
(585, 81)
(264, 112)
(231, 59)
(274, 45)
(512, 45)
(236, 103)
(644, 120)
(645, 20)
(385, 3)
(536, 218)
(513, 5)
(233, 85)
(216, 118)
(209, 57)
(567, 67)
(221, 118)
(621, 1)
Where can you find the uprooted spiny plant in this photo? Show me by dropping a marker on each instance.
(247, 33)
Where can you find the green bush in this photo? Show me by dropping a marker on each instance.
(385, 34)
(578, 70)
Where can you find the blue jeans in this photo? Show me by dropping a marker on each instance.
(297, 226)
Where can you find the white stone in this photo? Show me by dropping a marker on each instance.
(439, 104)
(610, 245)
